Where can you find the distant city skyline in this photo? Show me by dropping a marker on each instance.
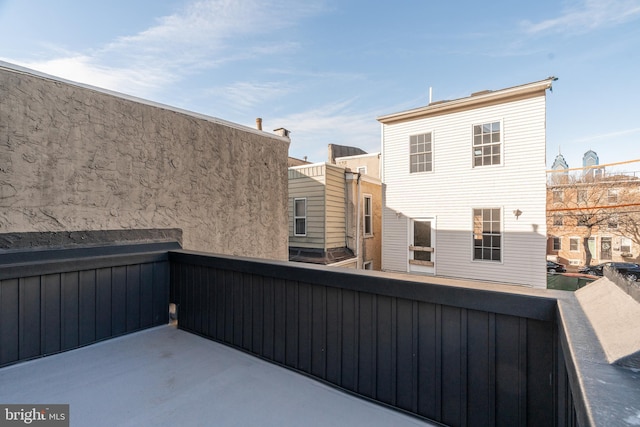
(325, 69)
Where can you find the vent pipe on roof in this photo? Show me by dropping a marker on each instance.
(259, 123)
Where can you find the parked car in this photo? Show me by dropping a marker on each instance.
(554, 267)
(630, 270)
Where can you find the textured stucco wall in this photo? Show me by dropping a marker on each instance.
(74, 158)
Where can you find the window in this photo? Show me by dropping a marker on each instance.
(368, 218)
(605, 248)
(558, 196)
(592, 246)
(557, 243)
(486, 144)
(582, 196)
(557, 220)
(300, 217)
(583, 220)
(487, 236)
(421, 153)
(612, 221)
(362, 170)
(612, 196)
(368, 265)
(625, 245)
(574, 244)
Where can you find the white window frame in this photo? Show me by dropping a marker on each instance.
(365, 198)
(368, 265)
(297, 217)
(500, 143)
(624, 240)
(431, 134)
(362, 170)
(473, 236)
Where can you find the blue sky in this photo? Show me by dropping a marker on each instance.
(326, 69)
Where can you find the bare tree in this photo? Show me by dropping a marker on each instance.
(591, 200)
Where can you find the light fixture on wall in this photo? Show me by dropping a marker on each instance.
(517, 213)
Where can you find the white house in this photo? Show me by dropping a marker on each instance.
(464, 187)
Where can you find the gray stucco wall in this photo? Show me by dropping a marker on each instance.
(76, 158)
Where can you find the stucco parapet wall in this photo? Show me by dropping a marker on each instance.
(481, 99)
(18, 69)
(74, 158)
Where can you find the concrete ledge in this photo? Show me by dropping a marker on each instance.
(70, 239)
(614, 316)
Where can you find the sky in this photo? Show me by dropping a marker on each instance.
(325, 69)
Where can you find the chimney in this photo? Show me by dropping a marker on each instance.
(282, 132)
(259, 123)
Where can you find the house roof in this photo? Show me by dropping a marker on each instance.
(476, 100)
(336, 151)
(169, 377)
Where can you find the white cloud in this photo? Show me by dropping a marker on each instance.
(608, 136)
(244, 95)
(82, 68)
(337, 123)
(203, 35)
(590, 15)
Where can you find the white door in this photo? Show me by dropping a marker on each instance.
(421, 245)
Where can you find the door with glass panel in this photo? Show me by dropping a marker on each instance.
(422, 245)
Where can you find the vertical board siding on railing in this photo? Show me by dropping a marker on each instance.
(49, 313)
(458, 366)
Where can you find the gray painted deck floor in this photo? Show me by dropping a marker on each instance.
(167, 377)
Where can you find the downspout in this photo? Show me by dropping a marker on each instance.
(348, 176)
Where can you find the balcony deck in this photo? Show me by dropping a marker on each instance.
(461, 354)
(165, 376)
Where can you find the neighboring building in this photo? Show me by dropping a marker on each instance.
(80, 160)
(366, 164)
(292, 161)
(590, 159)
(336, 151)
(334, 216)
(590, 163)
(464, 187)
(559, 163)
(595, 212)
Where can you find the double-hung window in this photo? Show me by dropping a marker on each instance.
(487, 144)
(368, 218)
(421, 149)
(300, 217)
(487, 234)
(574, 244)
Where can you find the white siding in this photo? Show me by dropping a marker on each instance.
(454, 188)
(335, 206)
(394, 241)
(308, 182)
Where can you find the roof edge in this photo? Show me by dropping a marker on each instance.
(472, 101)
(31, 72)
